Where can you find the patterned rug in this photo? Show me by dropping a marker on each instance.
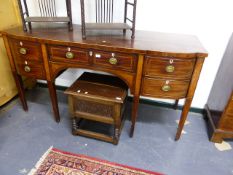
(57, 162)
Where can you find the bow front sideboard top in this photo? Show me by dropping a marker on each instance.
(154, 64)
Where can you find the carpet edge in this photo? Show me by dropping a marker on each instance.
(106, 161)
(40, 161)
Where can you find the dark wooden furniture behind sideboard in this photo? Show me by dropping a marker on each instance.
(48, 13)
(104, 16)
(219, 107)
(153, 64)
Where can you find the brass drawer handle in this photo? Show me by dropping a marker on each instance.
(113, 61)
(69, 55)
(166, 88)
(170, 69)
(27, 69)
(23, 51)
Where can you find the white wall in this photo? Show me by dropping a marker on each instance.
(210, 20)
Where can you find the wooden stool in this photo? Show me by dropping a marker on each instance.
(99, 98)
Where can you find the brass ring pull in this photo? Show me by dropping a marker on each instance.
(23, 51)
(69, 55)
(170, 69)
(27, 69)
(166, 88)
(113, 61)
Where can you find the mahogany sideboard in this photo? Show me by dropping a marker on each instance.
(154, 64)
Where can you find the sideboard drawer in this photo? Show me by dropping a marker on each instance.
(31, 70)
(26, 50)
(68, 54)
(163, 88)
(115, 60)
(168, 67)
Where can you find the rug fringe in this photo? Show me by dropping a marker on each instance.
(33, 170)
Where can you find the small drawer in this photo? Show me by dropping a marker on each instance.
(31, 69)
(115, 60)
(168, 67)
(27, 50)
(68, 54)
(163, 88)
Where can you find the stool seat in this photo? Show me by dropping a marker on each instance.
(94, 90)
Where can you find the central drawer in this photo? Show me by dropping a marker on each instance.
(113, 60)
(168, 67)
(68, 54)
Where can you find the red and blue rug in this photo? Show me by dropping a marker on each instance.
(57, 162)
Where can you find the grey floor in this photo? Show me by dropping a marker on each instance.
(25, 136)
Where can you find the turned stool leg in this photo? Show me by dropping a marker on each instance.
(116, 135)
(74, 125)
